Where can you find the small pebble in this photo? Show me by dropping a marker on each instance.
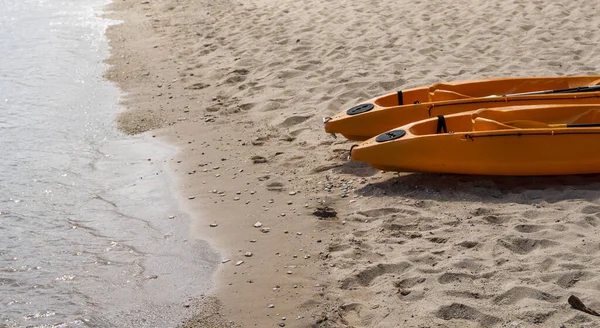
(265, 230)
(282, 324)
(270, 306)
(248, 254)
(238, 263)
(299, 233)
(225, 260)
(258, 224)
(292, 193)
(214, 225)
(171, 217)
(236, 198)
(191, 197)
(289, 272)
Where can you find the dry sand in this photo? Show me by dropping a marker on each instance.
(241, 87)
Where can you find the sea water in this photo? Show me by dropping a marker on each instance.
(90, 233)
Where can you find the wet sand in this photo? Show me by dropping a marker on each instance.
(241, 88)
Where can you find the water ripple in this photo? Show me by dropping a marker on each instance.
(77, 234)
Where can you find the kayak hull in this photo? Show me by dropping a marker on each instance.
(397, 109)
(512, 151)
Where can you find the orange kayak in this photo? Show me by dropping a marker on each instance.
(520, 140)
(384, 113)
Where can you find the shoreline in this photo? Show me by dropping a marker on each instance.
(240, 88)
(236, 284)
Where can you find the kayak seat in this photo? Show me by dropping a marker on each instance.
(484, 124)
(442, 95)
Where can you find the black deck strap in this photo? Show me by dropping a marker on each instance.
(400, 98)
(441, 124)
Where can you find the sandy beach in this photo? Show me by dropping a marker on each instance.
(241, 87)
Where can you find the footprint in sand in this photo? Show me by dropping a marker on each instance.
(338, 248)
(237, 76)
(404, 288)
(468, 244)
(466, 294)
(482, 211)
(246, 106)
(569, 279)
(294, 120)
(465, 312)
(401, 227)
(531, 228)
(438, 240)
(456, 277)
(495, 219)
(270, 105)
(592, 209)
(518, 293)
(526, 245)
(590, 220)
(355, 314)
(409, 282)
(365, 277)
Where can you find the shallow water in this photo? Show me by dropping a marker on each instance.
(85, 234)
